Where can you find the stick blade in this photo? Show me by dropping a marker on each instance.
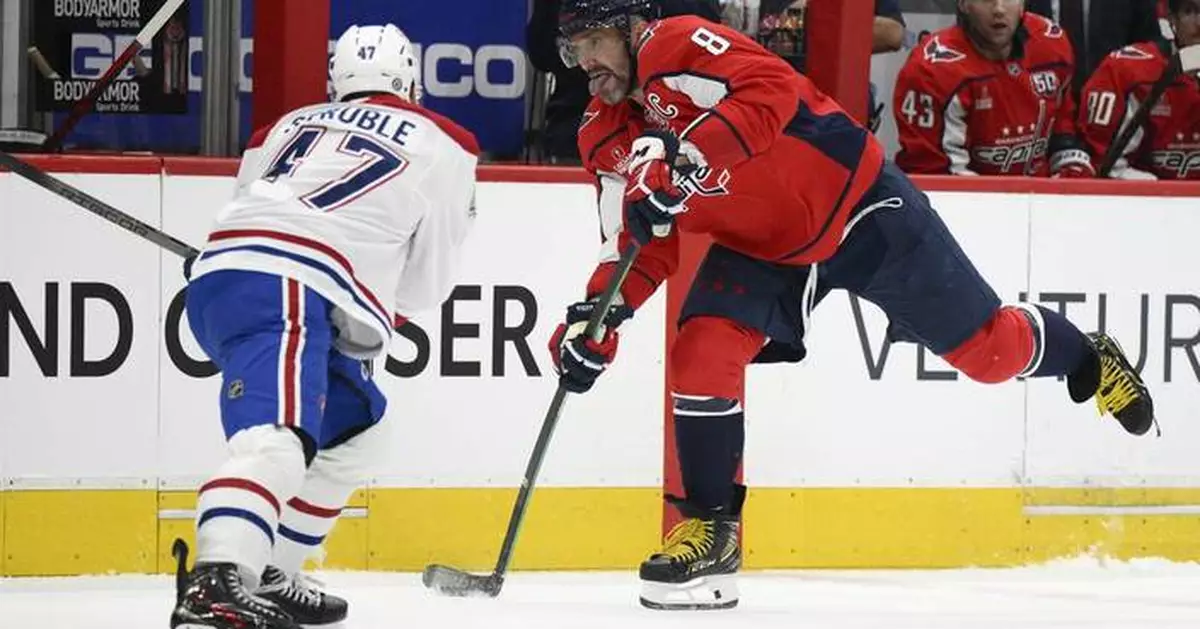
(451, 581)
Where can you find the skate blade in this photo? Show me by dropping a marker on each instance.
(701, 593)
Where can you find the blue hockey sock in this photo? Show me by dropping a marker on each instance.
(709, 435)
(1059, 348)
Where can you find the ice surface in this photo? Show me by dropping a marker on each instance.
(1083, 593)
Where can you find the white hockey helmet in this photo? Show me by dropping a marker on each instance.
(375, 59)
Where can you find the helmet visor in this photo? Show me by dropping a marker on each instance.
(575, 45)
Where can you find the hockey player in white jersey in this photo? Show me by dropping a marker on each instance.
(348, 217)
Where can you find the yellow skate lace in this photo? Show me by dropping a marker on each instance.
(689, 540)
(1117, 389)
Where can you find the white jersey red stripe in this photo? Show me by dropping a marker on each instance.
(366, 202)
(291, 354)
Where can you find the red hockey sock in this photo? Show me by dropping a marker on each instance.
(1002, 349)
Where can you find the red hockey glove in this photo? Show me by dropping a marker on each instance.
(652, 196)
(579, 361)
(1072, 164)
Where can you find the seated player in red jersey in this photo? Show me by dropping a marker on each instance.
(1168, 145)
(695, 127)
(990, 96)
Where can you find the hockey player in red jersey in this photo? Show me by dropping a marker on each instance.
(990, 96)
(695, 127)
(1168, 145)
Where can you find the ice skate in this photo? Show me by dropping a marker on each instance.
(1116, 386)
(214, 597)
(301, 597)
(697, 567)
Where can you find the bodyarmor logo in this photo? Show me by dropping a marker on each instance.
(936, 52)
(1005, 157)
(1182, 163)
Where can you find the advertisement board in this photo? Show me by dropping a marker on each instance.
(473, 69)
(866, 454)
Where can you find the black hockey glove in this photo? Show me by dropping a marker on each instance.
(579, 360)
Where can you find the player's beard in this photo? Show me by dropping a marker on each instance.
(993, 37)
(609, 86)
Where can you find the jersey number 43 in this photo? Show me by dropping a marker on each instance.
(376, 164)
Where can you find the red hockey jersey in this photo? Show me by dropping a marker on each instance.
(783, 164)
(1168, 146)
(960, 113)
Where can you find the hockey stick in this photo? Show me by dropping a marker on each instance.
(1037, 135)
(179, 550)
(43, 66)
(454, 582)
(1187, 60)
(84, 105)
(96, 206)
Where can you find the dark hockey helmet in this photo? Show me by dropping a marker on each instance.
(577, 16)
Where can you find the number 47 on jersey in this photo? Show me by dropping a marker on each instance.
(377, 165)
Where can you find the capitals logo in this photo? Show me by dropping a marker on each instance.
(937, 52)
(1183, 164)
(1005, 157)
(697, 183)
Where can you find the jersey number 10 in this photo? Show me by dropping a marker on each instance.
(1100, 107)
(377, 165)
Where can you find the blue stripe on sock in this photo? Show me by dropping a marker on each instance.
(300, 538)
(234, 512)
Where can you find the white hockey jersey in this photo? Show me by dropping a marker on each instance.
(367, 202)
